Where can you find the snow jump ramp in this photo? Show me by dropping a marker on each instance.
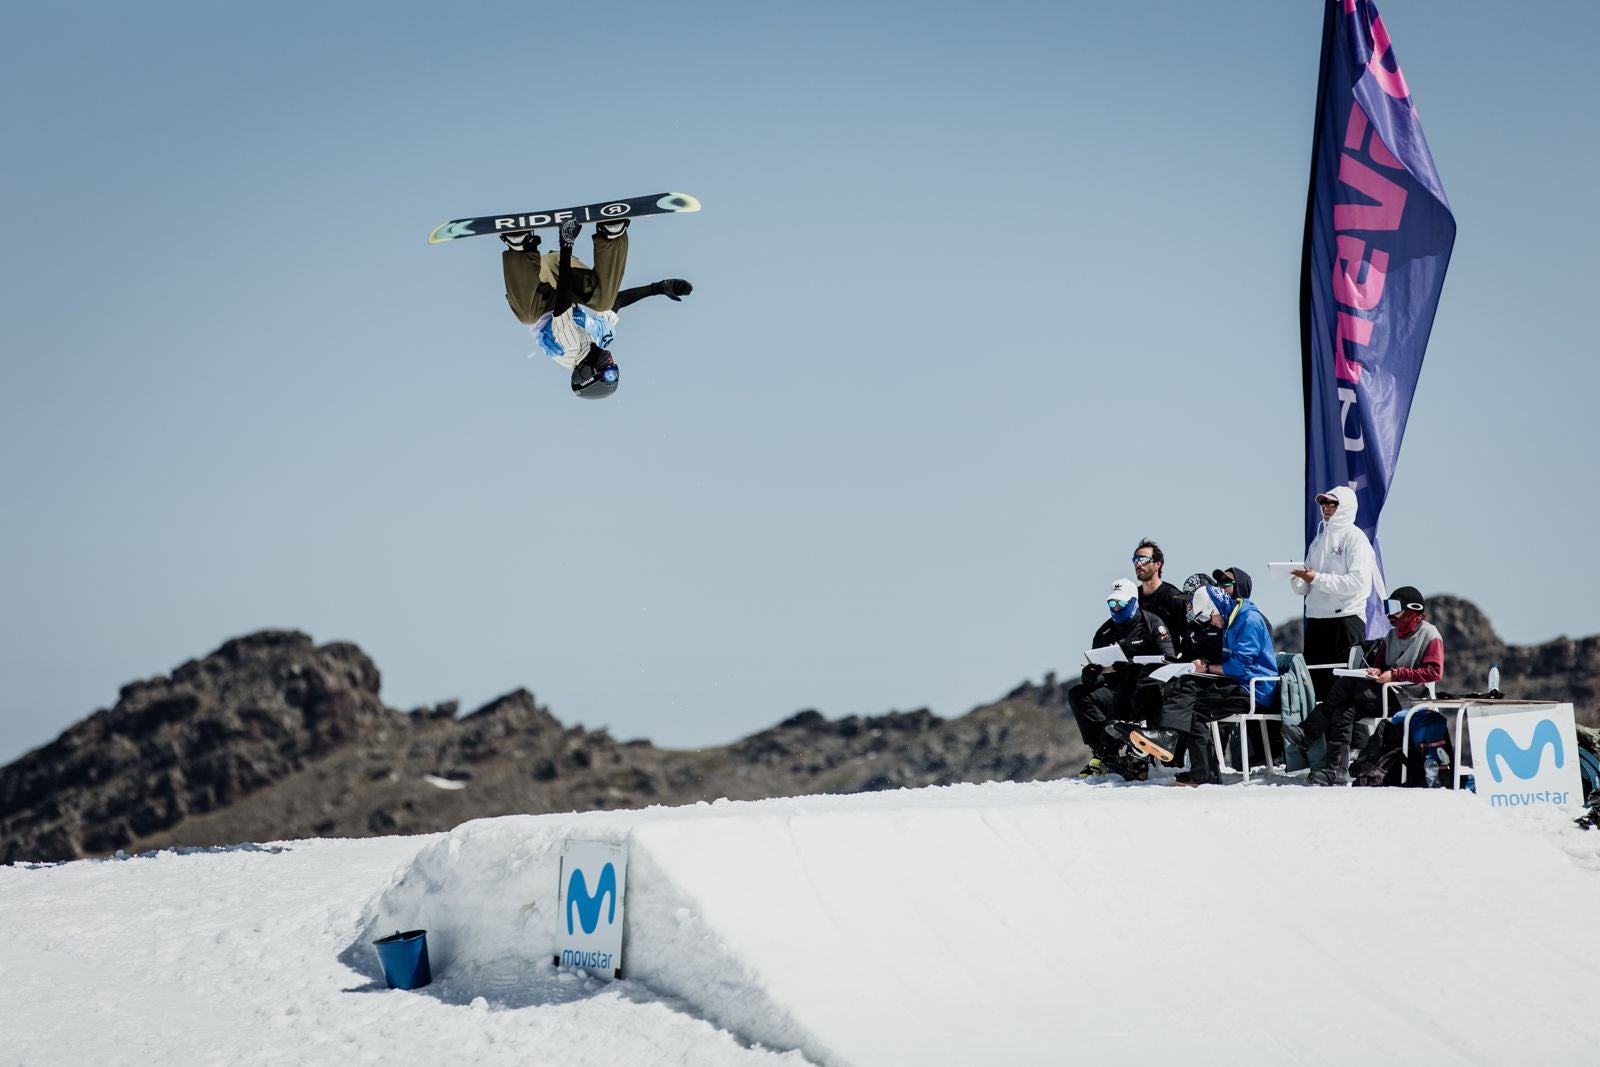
(1063, 922)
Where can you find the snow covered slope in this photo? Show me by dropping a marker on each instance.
(1030, 924)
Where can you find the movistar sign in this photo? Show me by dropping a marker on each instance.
(591, 896)
(1525, 754)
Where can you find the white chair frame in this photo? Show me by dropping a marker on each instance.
(1259, 718)
(1243, 721)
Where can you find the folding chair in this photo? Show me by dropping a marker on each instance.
(1243, 721)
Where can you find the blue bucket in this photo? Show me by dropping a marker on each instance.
(405, 959)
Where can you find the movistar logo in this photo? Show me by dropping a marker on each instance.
(588, 907)
(1502, 752)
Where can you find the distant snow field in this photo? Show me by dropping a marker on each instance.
(1039, 923)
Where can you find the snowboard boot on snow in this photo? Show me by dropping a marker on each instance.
(611, 230)
(1155, 743)
(1093, 769)
(1127, 763)
(526, 241)
(1202, 767)
(1337, 771)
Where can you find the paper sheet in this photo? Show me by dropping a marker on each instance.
(1171, 670)
(1105, 656)
(1350, 672)
(1149, 659)
(1286, 568)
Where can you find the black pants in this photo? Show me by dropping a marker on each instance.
(1349, 699)
(1330, 641)
(1105, 700)
(1189, 705)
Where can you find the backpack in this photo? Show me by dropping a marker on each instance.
(1296, 698)
(1380, 761)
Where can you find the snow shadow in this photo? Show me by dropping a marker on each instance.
(505, 984)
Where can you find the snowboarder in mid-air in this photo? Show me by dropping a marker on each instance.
(571, 308)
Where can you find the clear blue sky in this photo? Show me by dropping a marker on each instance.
(983, 295)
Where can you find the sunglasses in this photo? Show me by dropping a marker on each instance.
(1117, 605)
(1394, 607)
(1141, 560)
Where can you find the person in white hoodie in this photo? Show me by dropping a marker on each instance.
(1340, 573)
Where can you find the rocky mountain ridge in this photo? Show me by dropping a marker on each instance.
(273, 736)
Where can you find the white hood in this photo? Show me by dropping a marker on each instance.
(1345, 513)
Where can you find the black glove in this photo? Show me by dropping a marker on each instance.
(1091, 673)
(674, 288)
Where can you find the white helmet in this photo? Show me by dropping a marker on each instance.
(1201, 606)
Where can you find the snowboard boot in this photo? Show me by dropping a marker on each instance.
(1093, 769)
(611, 230)
(1115, 735)
(1337, 770)
(1129, 764)
(1296, 736)
(1156, 743)
(526, 241)
(1202, 767)
(570, 230)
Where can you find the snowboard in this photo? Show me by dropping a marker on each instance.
(657, 204)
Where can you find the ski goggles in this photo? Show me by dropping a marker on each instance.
(1395, 607)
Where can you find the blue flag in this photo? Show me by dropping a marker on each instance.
(1378, 237)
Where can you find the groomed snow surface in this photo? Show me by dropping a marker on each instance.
(1044, 923)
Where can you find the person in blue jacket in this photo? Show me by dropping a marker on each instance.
(1215, 690)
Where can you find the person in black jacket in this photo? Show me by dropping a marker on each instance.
(1121, 692)
(1165, 600)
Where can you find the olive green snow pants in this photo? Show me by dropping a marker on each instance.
(531, 278)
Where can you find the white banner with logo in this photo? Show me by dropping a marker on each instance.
(594, 878)
(1525, 755)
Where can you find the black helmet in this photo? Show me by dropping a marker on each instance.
(596, 376)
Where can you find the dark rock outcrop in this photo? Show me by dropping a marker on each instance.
(273, 737)
(217, 730)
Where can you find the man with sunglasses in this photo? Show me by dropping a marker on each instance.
(1412, 652)
(1340, 573)
(570, 308)
(1163, 598)
(1122, 691)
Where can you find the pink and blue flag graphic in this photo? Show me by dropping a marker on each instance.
(1378, 237)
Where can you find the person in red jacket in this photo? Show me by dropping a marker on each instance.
(1412, 653)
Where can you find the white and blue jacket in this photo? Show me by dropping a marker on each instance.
(567, 338)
